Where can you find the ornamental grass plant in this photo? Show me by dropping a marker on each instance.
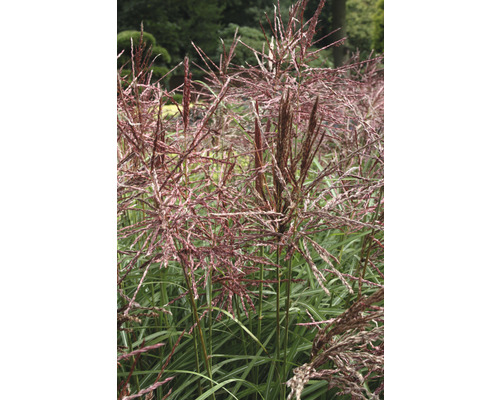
(250, 225)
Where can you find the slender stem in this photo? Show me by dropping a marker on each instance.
(253, 351)
(209, 302)
(278, 338)
(164, 300)
(198, 325)
(362, 275)
(153, 303)
(128, 343)
(341, 252)
(261, 287)
(287, 306)
(242, 332)
(259, 317)
(197, 359)
(132, 360)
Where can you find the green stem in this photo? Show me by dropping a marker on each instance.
(259, 317)
(198, 325)
(209, 302)
(242, 332)
(278, 338)
(341, 252)
(164, 301)
(132, 360)
(287, 306)
(197, 359)
(153, 304)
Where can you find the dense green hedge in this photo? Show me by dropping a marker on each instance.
(159, 54)
(162, 54)
(124, 43)
(123, 39)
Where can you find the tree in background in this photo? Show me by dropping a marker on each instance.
(200, 22)
(353, 18)
(338, 8)
(359, 26)
(175, 23)
(378, 28)
(158, 17)
(251, 12)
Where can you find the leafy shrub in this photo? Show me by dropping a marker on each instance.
(324, 59)
(158, 72)
(164, 56)
(159, 54)
(251, 37)
(176, 97)
(126, 74)
(123, 40)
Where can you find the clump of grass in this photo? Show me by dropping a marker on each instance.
(257, 207)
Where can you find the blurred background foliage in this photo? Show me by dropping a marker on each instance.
(172, 25)
(378, 27)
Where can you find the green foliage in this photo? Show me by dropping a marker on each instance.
(250, 12)
(175, 24)
(163, 55)
(158, 16)
(324, 60)
(177, 98)
(159, 72)
(124, 43)
(250, 36)
(200, 26)
(159, 54)
(126, 73)
(359, 15)
(378, 28)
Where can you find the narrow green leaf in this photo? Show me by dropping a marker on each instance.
(243, 327)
